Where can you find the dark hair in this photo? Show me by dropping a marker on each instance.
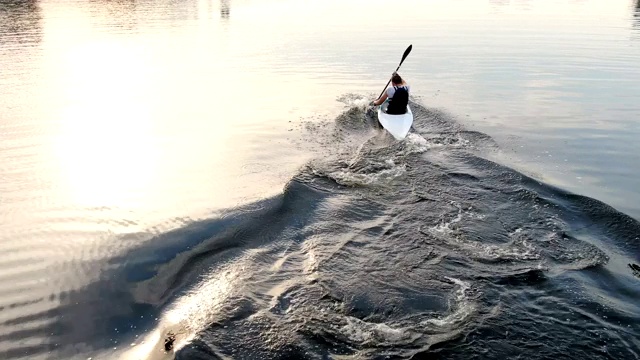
(396, 79)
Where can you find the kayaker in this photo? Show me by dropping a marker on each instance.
(398, 95)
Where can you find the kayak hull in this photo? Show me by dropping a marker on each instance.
(397, 125)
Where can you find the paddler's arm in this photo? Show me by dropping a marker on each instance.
(381, 99)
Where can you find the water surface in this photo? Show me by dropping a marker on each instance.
(203, 177)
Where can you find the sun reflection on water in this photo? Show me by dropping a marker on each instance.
(105, 144)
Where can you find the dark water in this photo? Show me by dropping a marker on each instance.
(382, 249)
(150, 211)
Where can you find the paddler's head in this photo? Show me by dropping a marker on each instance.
(396, 79)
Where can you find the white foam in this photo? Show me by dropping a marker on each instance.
(361, 331)
(362, 103)
(416, 144)
(518, 249)
(494, 252)
(353, 178)
(444, 227)
(464, 307)
(355, 100)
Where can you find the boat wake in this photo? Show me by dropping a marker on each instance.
(380, 249)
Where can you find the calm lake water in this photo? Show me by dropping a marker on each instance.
(200, 179)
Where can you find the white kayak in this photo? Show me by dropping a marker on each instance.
(396, 125)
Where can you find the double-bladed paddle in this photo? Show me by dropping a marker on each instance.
(404, 56)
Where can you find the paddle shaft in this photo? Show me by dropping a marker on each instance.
(404, 56)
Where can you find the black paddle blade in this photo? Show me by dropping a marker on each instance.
(406, 53)
(404, 56)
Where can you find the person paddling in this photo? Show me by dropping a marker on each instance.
(398, 95)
